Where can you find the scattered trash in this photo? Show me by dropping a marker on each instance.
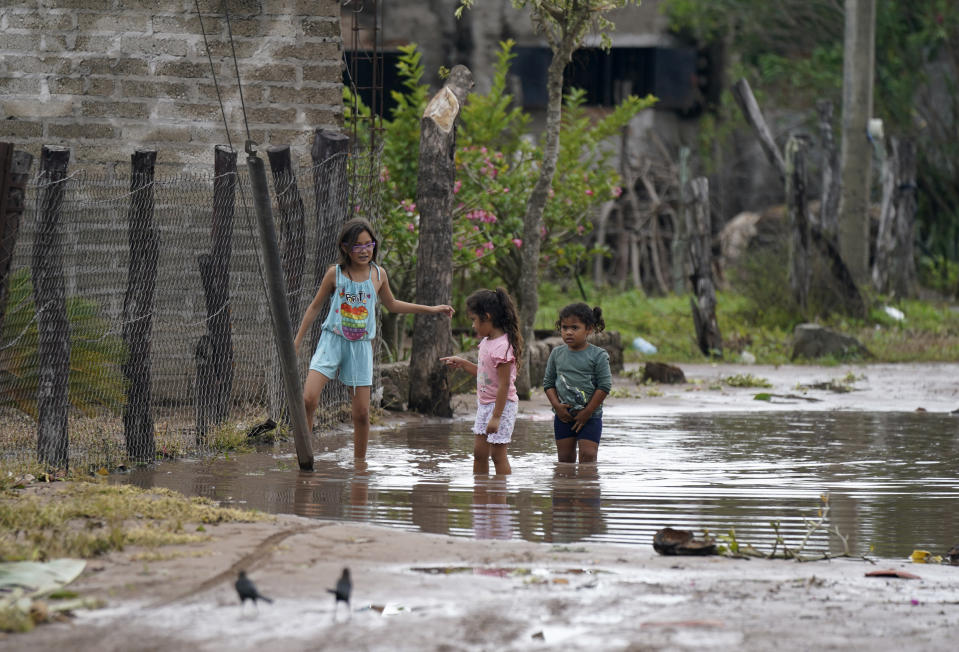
(925, 557)
(895, 313)
(953, 554)
(747, 358)
(892, 572)
(681, 542)
(644, 346)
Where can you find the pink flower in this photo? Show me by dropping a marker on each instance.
(505, 189)
(579, 229)
(517, 242)
(412, 227)
(384, 174)
(589, 192)
(457, 186)
(489, 245)
(616, 191)
(479, 252)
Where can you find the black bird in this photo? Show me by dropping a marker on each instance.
(344, 587)
(246, 589)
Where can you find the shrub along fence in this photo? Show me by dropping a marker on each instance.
(136, 324)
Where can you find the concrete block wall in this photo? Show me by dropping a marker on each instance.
(104, 77)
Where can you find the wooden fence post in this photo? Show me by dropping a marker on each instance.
(292, 226)
(799, 228)
(14, 171)
(214, 351)
(829, 206)
(699, 234)
(138, 307)
(331, 191)
(894, 270)
(429, 383)
(49, 295)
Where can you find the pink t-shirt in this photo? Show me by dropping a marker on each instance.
(493, 353)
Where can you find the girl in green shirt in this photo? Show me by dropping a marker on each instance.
(576, 382)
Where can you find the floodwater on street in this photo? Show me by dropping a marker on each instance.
(892, 481)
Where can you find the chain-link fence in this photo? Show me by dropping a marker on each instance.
(137, 325)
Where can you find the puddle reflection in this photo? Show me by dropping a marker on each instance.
(893, 480)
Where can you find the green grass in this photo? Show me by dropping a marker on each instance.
(86, 519)
(930, 331)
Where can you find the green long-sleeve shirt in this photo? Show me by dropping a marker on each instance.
(577, 374)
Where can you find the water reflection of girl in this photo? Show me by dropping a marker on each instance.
(492, 518)
(577, 502)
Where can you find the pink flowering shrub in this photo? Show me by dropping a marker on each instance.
(496, 168)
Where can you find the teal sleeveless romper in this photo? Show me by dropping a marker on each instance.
(349, 326)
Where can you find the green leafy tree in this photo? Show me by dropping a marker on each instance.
(793, 49)
(564, 24)
(497, 165)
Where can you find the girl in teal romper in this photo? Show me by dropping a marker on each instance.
(345, 344)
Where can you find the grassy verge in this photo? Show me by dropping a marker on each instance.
(86, 519)
(929, 331)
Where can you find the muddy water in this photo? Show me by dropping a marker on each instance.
(892, 481)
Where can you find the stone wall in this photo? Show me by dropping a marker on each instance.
(104, 77)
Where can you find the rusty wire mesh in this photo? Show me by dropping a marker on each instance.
(93, 243)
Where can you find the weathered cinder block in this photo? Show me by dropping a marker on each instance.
(109, 65)
(20, 129)
(113, 22)
(171, 46)
(308, 51)
(81, 130)
(175, 90)
(310, 95)
(187, 69)
(19, 85)
(321, 27)
(152, 133)
(67, 85)
(111, 109)
(322, 72)
(270, 115)
(43, 22)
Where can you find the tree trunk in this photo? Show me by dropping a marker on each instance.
(796, 211)
(49, 296)
(533, 219)
(138, 309)
(699, 231)
(429, 385)
(894, 271)
(14, 172)
(747, 103)
(856, 155)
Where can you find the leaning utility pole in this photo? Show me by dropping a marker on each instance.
(856, 155)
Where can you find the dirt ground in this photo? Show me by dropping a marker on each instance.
(415, 591)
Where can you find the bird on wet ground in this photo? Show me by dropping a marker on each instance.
(344, 587)
(247, 590)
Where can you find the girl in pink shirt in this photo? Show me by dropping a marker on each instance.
(496, 321)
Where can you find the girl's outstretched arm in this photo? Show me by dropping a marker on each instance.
(393, 304)
(316, 306)
(460, 363)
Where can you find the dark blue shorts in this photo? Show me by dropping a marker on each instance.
(592, 429)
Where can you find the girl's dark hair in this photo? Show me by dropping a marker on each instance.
(498, 304)
(591, 317)
(349, 233)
